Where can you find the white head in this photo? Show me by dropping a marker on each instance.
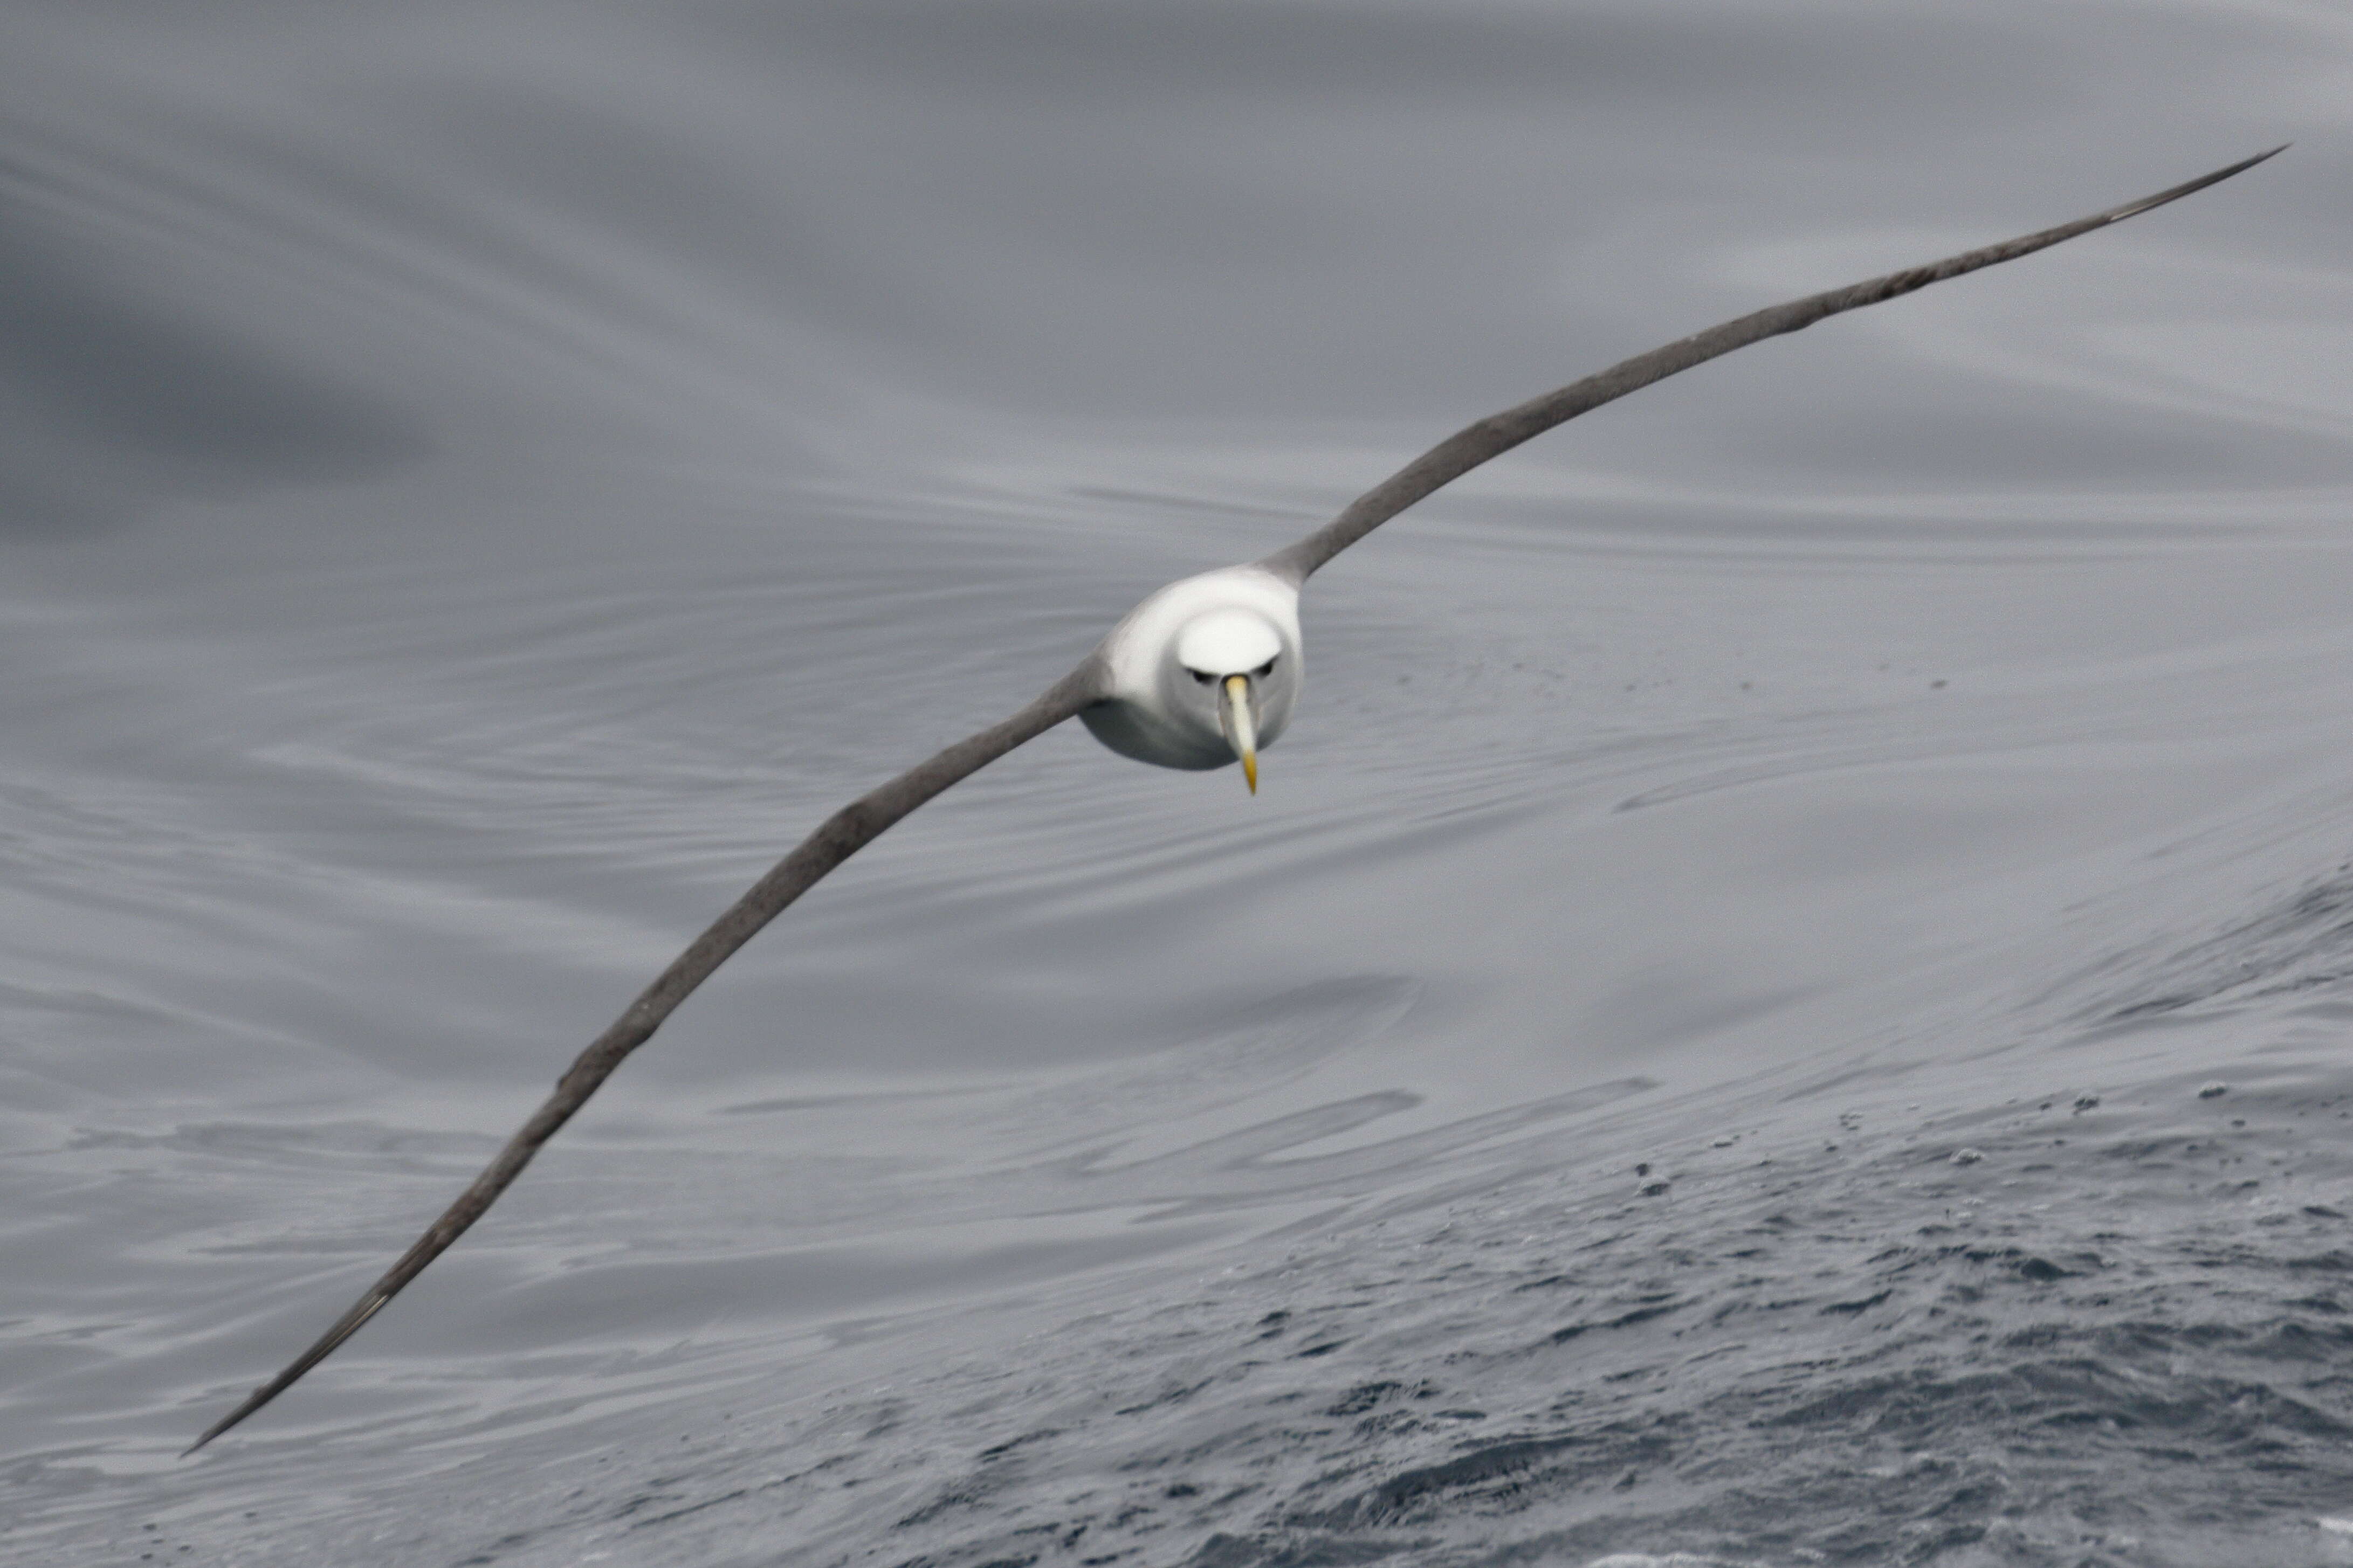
(1204, 672)
(1233, 656)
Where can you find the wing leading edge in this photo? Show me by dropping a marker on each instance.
(842, 835)
(864, 820)
(1472, 445)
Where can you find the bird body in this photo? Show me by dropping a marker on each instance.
(1169, 665)
(1201, 673)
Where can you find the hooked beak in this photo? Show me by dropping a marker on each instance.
(1241, 729)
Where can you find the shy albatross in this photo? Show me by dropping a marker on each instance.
(1202, 673)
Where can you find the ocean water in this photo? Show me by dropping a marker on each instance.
(1783, 1002)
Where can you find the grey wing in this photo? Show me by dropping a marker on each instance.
(1492, 436)
(842, 835)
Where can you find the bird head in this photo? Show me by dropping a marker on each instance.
(1241, 678)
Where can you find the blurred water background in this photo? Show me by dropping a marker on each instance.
(1700, 1047)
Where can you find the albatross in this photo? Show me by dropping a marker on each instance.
(1203, 673)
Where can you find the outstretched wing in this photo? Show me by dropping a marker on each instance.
(1492, 436)
(843, 833)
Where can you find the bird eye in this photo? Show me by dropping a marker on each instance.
(1203, 676)
(1266, 668)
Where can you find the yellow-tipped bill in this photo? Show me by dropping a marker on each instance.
(1241, 731)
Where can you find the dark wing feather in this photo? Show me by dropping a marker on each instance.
(843, 833)
(1492, 436)
(860, 823)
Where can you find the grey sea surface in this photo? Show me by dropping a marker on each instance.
(1783, 1002)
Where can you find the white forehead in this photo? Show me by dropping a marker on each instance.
(1228, 641)
(1140, 647)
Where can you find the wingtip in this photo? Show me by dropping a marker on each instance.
(253, 1402)
(2135, 209)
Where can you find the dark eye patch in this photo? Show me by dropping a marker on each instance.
(1266, 668)
(1203, 676)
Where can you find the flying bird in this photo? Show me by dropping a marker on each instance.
(1203, 673)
